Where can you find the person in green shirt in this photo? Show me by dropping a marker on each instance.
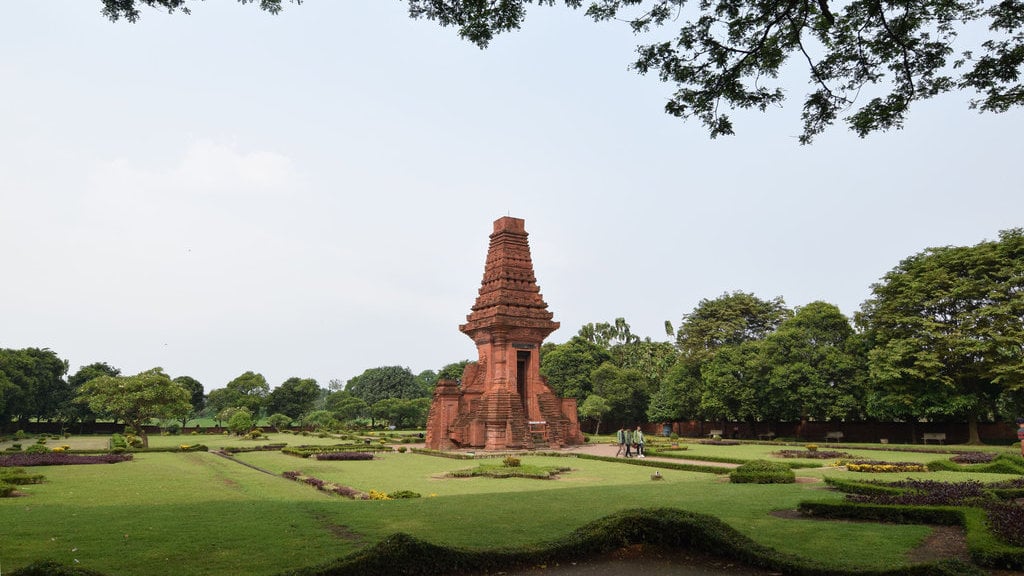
(638, 442)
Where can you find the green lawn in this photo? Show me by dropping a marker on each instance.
(198, 513)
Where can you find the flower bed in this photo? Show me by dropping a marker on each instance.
(60, 459)
(879, 466)
(926, 493)
(973, 457)
(1003, 518)
(813, 454)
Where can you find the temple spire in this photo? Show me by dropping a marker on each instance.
(509, 295)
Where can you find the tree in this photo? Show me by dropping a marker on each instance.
(226, 414)
(594, 407)
(294, 397)
(627, 350)
(625, 390)
(197, 397)
(452, 371)
(729, 319)
(427, 380)
(136, 399)
(376, 384)
(679, 395)
(734, 384)
(129, 9)
(279, 421)
(219, 400)
(77, 411)
(812, 368)
(947, 327)
(568, 366)
(608, 335)
(346, 407)
(32, 384)
(319, 420)
(241, 421)
(728, 54)
(249, 390)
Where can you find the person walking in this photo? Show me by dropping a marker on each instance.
(638, 442)
(1020, 434)
(627, 437)
(620, 437)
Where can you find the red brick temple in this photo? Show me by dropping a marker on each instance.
(503, 402)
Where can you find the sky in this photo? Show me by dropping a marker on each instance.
(311, 194)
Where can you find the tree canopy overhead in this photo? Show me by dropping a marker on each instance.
(865, 61)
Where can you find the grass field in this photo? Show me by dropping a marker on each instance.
(199, 513)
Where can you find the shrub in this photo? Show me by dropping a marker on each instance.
(762, 472)
(20, 435)
(37, 449)
(6, 490)
(402, 449)
(118, 441)
(511, 462)
(57, 459)
(811, 447)
(375, 495)
(345, 456)
(18, 477)
(403, 494)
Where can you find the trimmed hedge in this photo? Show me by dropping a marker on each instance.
(1001, 464)
(260, 448)
(662, 528)
(17, 476)
(306, 451)
(655, 464)
(895, 514)
(981, 517)
(762, 472)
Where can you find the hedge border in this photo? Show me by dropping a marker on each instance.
(983, 546)
(656, 464)
(662, 528)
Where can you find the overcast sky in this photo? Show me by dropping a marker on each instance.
(311, 194)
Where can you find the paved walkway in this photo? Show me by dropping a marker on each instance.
(609, 450)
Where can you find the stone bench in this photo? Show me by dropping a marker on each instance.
(833, 437)
(766, 436)
(939, 437)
